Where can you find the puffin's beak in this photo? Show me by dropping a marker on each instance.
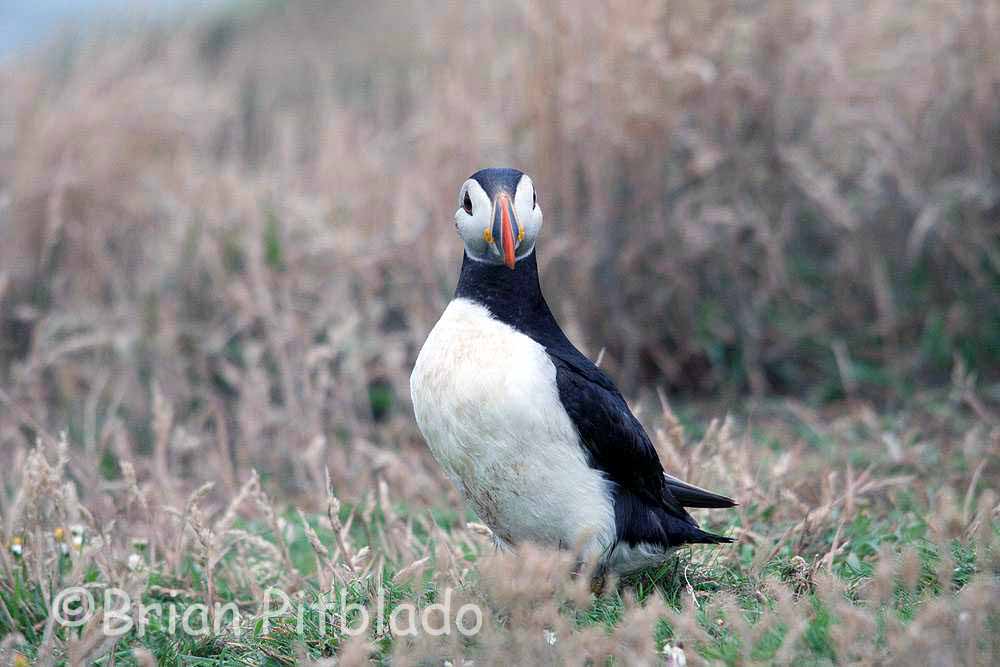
(506, 233)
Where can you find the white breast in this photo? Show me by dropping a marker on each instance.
(486, 401)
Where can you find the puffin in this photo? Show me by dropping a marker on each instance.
(537, 438)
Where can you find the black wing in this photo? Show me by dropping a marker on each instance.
(647, 507)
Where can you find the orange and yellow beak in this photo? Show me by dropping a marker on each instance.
(505, 234)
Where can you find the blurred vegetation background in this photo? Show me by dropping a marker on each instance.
(251, 206)
(225, 233)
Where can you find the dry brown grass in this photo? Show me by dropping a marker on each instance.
(923, 538)
(222, 244)
(770, 196)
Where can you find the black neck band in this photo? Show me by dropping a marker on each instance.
(513, 296)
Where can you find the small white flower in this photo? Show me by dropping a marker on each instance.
(134, 561)
(550, 637)
(16, 547)
(675, 656)
(76, 530)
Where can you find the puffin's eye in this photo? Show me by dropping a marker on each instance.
(467, 204)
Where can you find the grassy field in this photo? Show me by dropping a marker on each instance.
(861, 539)
(223, 240)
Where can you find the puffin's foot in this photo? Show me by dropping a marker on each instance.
(595, 568)
(597, 583)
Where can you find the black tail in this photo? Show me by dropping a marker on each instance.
(689, 495)
(639, 521)
(699, 536)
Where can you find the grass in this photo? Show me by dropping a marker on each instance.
(223, 240)
(843, 579)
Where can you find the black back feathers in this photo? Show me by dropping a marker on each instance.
(649, 505)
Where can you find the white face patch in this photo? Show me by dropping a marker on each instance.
(529, 214)
(472, 225)
(475, 215)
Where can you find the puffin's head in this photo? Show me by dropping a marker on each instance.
(498, 216)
